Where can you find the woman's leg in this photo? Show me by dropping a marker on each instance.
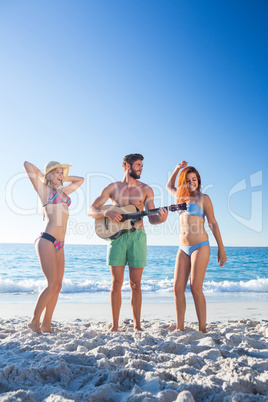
(47, 258)
(135, 275)
(199, 263)
(117, 274)
(181, 275)
(50, 307)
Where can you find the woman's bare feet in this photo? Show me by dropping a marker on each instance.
(171, 327)
(34, 328)
(45, 328)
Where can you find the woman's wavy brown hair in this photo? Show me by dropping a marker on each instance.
(183, 192)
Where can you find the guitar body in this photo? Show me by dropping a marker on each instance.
(106, 229)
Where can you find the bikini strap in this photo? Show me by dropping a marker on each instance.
(202, 201)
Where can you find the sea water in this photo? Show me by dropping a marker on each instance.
(87, 277)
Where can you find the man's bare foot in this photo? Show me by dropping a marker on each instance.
(43, 328)
(34, 328)
(114, 329)
(138, 329)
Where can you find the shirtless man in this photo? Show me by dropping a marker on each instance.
(130, 247)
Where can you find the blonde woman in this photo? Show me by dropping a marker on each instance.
(50, 244)
(194, 250)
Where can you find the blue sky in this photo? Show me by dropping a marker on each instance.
(88, 82)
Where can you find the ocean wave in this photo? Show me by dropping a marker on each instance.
(259, 285)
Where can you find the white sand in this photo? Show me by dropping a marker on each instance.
(83, 361)
(164, 311)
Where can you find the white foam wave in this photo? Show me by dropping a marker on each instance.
(259, 285)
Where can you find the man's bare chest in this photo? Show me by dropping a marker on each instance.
(129, 195)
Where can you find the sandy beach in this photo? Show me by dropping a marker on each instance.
(83, 361)
(253, 310)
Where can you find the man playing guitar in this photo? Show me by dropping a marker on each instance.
(129, 248)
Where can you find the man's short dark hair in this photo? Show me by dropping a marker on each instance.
(131, 158)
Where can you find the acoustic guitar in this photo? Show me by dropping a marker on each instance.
(107, 229)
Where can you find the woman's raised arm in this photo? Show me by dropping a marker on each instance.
(35, 175)
(75, 182)
(171, 181)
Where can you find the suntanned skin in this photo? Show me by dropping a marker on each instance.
(52, 263)
(127, 191)
(192, 232)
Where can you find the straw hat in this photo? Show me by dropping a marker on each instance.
(55, 165)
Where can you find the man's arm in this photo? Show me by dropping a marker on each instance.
(94, 210)
(149, 204)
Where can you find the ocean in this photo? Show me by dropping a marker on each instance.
(87, 277)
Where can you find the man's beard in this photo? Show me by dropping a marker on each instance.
(133, 174)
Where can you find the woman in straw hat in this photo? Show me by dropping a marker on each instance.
(49, 246)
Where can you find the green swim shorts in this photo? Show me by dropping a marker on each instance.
(130, 248)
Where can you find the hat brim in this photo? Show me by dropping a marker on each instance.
(63, 166)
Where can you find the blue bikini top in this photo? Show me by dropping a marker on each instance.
(194, 210)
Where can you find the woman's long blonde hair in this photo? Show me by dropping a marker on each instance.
(47, 180)
(183, 192)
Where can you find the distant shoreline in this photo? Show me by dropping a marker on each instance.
(149, 245)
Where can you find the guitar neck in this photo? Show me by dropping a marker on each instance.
(140, 214)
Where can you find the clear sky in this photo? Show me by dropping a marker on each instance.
(87, 82)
